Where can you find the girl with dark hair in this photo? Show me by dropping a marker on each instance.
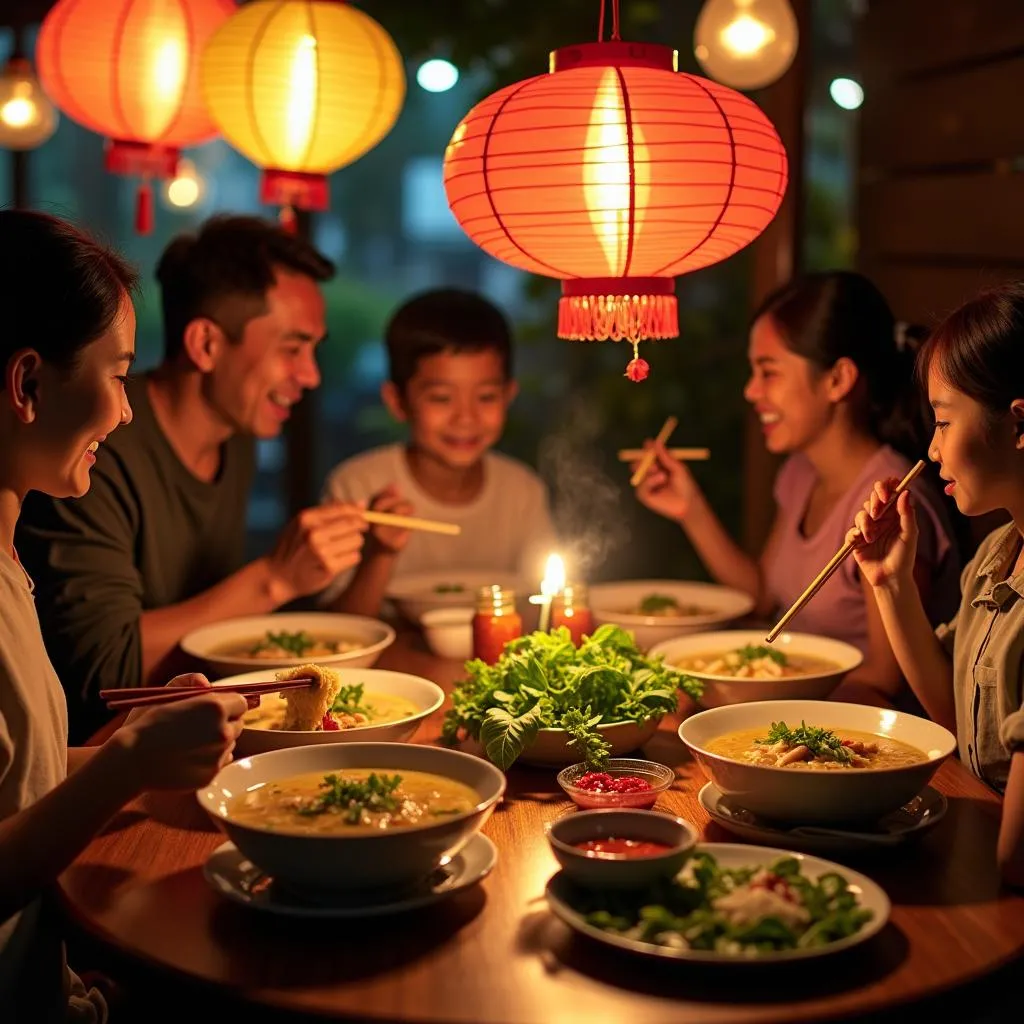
(969, 673)
(832, 383)
(67, 340)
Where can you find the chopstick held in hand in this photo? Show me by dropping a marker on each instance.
(411, 523)
(648, 457)
(839, 557)
(679, 454)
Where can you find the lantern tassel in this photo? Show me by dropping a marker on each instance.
(144, 208)
(617, 317)
(288, 220)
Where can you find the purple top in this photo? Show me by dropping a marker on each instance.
(838, 609)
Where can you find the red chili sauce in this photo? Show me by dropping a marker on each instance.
(601, 782)
(616, 846)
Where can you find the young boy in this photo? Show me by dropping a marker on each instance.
(450, 379)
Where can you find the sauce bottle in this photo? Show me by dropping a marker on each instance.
(571, 608)
(496, 622)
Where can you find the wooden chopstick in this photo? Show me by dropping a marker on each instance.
(137, 698)
(411, 523)
(840, 556)
(681, 454)
(647, 460)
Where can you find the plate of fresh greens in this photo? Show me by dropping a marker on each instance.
(731, 904)
(548, 702)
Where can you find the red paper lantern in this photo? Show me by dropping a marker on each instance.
(615, 173)
(128, 70)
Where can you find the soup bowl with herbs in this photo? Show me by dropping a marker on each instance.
(363, 704)
(656, 610)
(816, 762)
(287, 639)
(337, 817)
(735, 666)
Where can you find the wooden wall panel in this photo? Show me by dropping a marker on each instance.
(958, 118)
(971, 217)
(923, 294)
(911, 36)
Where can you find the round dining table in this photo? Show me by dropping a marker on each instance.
(137, 901)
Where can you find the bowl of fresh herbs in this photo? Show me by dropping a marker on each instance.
(547, 702)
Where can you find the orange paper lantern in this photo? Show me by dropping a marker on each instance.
(302, 88)
(615, 173)
(128, 70)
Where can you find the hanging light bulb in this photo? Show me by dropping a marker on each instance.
(746, 44)
(187, 187)
(27, 117)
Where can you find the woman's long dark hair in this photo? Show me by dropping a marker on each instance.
(825, 317)
(59, 289)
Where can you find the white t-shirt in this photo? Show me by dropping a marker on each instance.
(506, 528)
(35, 986)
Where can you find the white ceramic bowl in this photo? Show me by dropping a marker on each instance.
(552, 747)
(208, 642)
(611, 602)
(719, 690)
(427, 697)
(449, 632)
(800, 796)
(418, 593)
(608, 871)
(340, 862)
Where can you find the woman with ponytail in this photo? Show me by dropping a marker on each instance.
(832, 382)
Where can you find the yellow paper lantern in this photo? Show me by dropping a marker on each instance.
(301, 88)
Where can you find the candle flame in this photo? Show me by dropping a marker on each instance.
(554, 576)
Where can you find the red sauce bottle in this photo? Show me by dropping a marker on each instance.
(571, 609)
(496, 622)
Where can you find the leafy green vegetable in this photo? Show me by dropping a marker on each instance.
(449, 588)
(350, 701)
(654, 603)
(542, 681)
(820, 742)
(752, 652)
(352, 797)
(295, 644)
(686, 906)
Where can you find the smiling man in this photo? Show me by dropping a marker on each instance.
(155, 549)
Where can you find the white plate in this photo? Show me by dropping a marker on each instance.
(239, 880)
(734, 855)
(417, 593)
(925, 811)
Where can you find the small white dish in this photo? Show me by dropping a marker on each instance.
(237, 879)
(418, 593)
(910, 821)
(449, 632)
(560, 893)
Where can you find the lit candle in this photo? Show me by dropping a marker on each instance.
(552, 584)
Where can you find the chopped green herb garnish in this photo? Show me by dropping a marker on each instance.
(350, 701)
(351, 797)
(449, 588)
(820, 742)
(752, 652)
(295, 644)
(654, 603)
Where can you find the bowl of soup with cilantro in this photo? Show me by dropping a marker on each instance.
(735, 666)
(656, 610)
(335, 817)
(816, 762)
(285, 639)
(371, 705)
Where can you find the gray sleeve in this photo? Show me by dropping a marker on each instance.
(81, 555)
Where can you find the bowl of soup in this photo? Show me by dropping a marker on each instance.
(816, 762)
(417, 593)
(656, 610)
(288, 639)
(372, 705)
(326, 819)
(735, 666)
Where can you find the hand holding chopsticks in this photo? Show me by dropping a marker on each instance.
(647, 459)
(840, 556)
(148, 696)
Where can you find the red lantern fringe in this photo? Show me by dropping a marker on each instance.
(617, 317)
(144, 209)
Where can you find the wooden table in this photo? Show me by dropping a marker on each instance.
(495, 954)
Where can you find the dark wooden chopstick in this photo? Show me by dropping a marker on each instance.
(148, 696)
